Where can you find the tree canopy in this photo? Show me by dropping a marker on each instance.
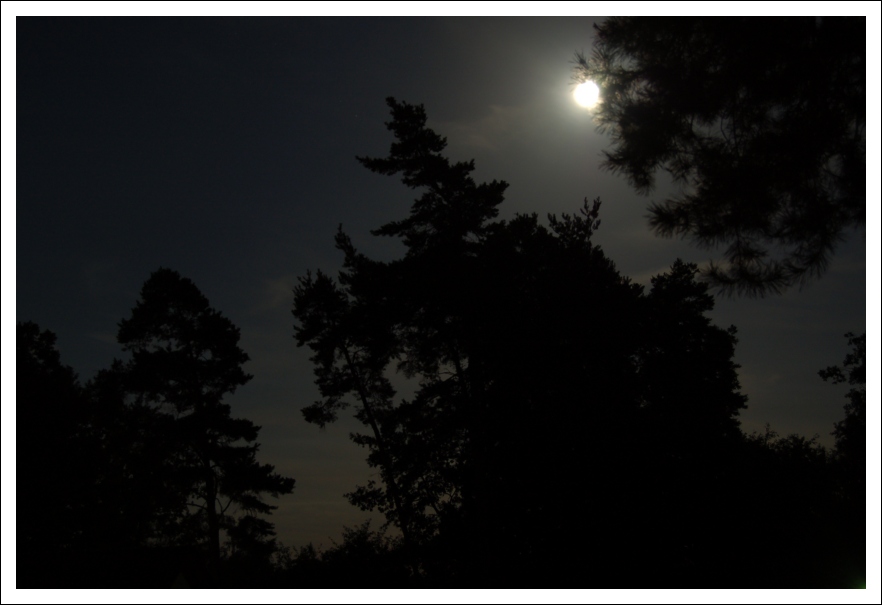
(851, 431)
(762, 121)
(550, 392)
(134, 477)
(89, 481)
(185, 358)
(534, 416)
(50, 449)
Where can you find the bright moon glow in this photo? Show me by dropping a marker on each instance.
(586, 94)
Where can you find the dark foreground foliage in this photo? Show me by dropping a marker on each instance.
(569, 428)
(761, 120)
(142, 475)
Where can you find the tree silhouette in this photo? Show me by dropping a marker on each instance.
(91, 493)
(185, 359)
(52, 454)
(762, 121)
(555, 398)
(783, 491)
(850, 454)
(851, 433)
(365, 558)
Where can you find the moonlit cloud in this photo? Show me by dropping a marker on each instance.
(492, 130)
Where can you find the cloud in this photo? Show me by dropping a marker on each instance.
(490, 131)
(276, 294)
(105, 337)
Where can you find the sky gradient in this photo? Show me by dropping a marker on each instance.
(225, 150)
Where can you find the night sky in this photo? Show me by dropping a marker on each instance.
(225, 150)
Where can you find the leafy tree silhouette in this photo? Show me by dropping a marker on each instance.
(763, 122)
(90, 491)
(141, 502)
(851, 433)
(365, 558)
(850, 454)
(782, 490)
(185, 358)
(555, 398)
(52, 456)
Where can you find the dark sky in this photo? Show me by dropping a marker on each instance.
(225, 149)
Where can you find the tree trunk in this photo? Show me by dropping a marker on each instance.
(213, 525)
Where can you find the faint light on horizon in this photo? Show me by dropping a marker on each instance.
(587, 94)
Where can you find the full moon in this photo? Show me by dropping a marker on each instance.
(586, 94)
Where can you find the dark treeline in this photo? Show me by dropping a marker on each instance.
(133, 478)
(570, 428)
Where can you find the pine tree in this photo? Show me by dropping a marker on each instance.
(546, 379)
(761, 120)
(185, 358)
